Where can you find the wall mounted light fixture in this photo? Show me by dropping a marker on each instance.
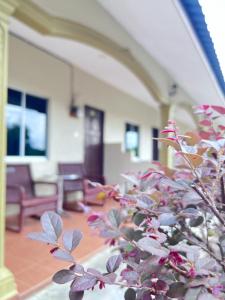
(75, 110)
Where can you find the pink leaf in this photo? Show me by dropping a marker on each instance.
(205, 122)
(167, 131)
(221, 127)
(219, 109)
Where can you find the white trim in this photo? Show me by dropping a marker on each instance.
(21, 157)
(25, 159)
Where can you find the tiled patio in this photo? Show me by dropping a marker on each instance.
(31, 262)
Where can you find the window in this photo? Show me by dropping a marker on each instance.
(155, 146)
(26, 117)
(132, 139)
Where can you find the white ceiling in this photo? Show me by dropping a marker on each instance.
(160, 27)
(164, 31)
(90, 60)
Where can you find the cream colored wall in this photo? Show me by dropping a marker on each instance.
(119, 108)
(37, 72)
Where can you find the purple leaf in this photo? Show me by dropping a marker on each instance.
(77, 268)
(207, 296)
(152, 246)
(76, 295)
(109, 234)
(167, 219)
(83, 283)
(94, 272)
(42, 237)
(113, 263)
(71, 239)
(63, 255)
(130, 276)
(171, 183)
(109, 278)
(52, 224)
(63, 276)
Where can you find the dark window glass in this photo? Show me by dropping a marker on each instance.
(14, 121)
(132, 139)
(26, 125)
(35, 126)
(155, 146)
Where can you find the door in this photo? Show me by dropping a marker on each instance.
(94, 145)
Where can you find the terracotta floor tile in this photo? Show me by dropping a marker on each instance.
(31, 262)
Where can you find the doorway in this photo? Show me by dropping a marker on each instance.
(94, 143)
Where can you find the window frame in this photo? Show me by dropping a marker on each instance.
(155, 144)
(139, 139)
(27, 158)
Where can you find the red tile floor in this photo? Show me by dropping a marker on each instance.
(31, 262)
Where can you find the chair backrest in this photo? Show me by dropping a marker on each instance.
(19, 175)
(72, 168)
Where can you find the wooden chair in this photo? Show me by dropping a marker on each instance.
(21, 190)
(91, 195)
(94, 195)
(71, 185)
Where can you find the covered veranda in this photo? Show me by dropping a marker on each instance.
(167, 81)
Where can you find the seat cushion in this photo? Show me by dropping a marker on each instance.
(39, 201)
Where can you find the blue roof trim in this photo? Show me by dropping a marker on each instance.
(197, 19)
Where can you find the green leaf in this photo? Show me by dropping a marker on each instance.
(196, 222)
(76, 295)
(177, 290)
(63, 276)
(130, 294)
(114, 217)
(138, 218)
(113, 263)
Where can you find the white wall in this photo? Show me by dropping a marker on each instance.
(37, 72)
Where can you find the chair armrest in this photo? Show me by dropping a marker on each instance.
(47, 183)
(19, 188)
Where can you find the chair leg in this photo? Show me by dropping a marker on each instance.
(21, 220)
